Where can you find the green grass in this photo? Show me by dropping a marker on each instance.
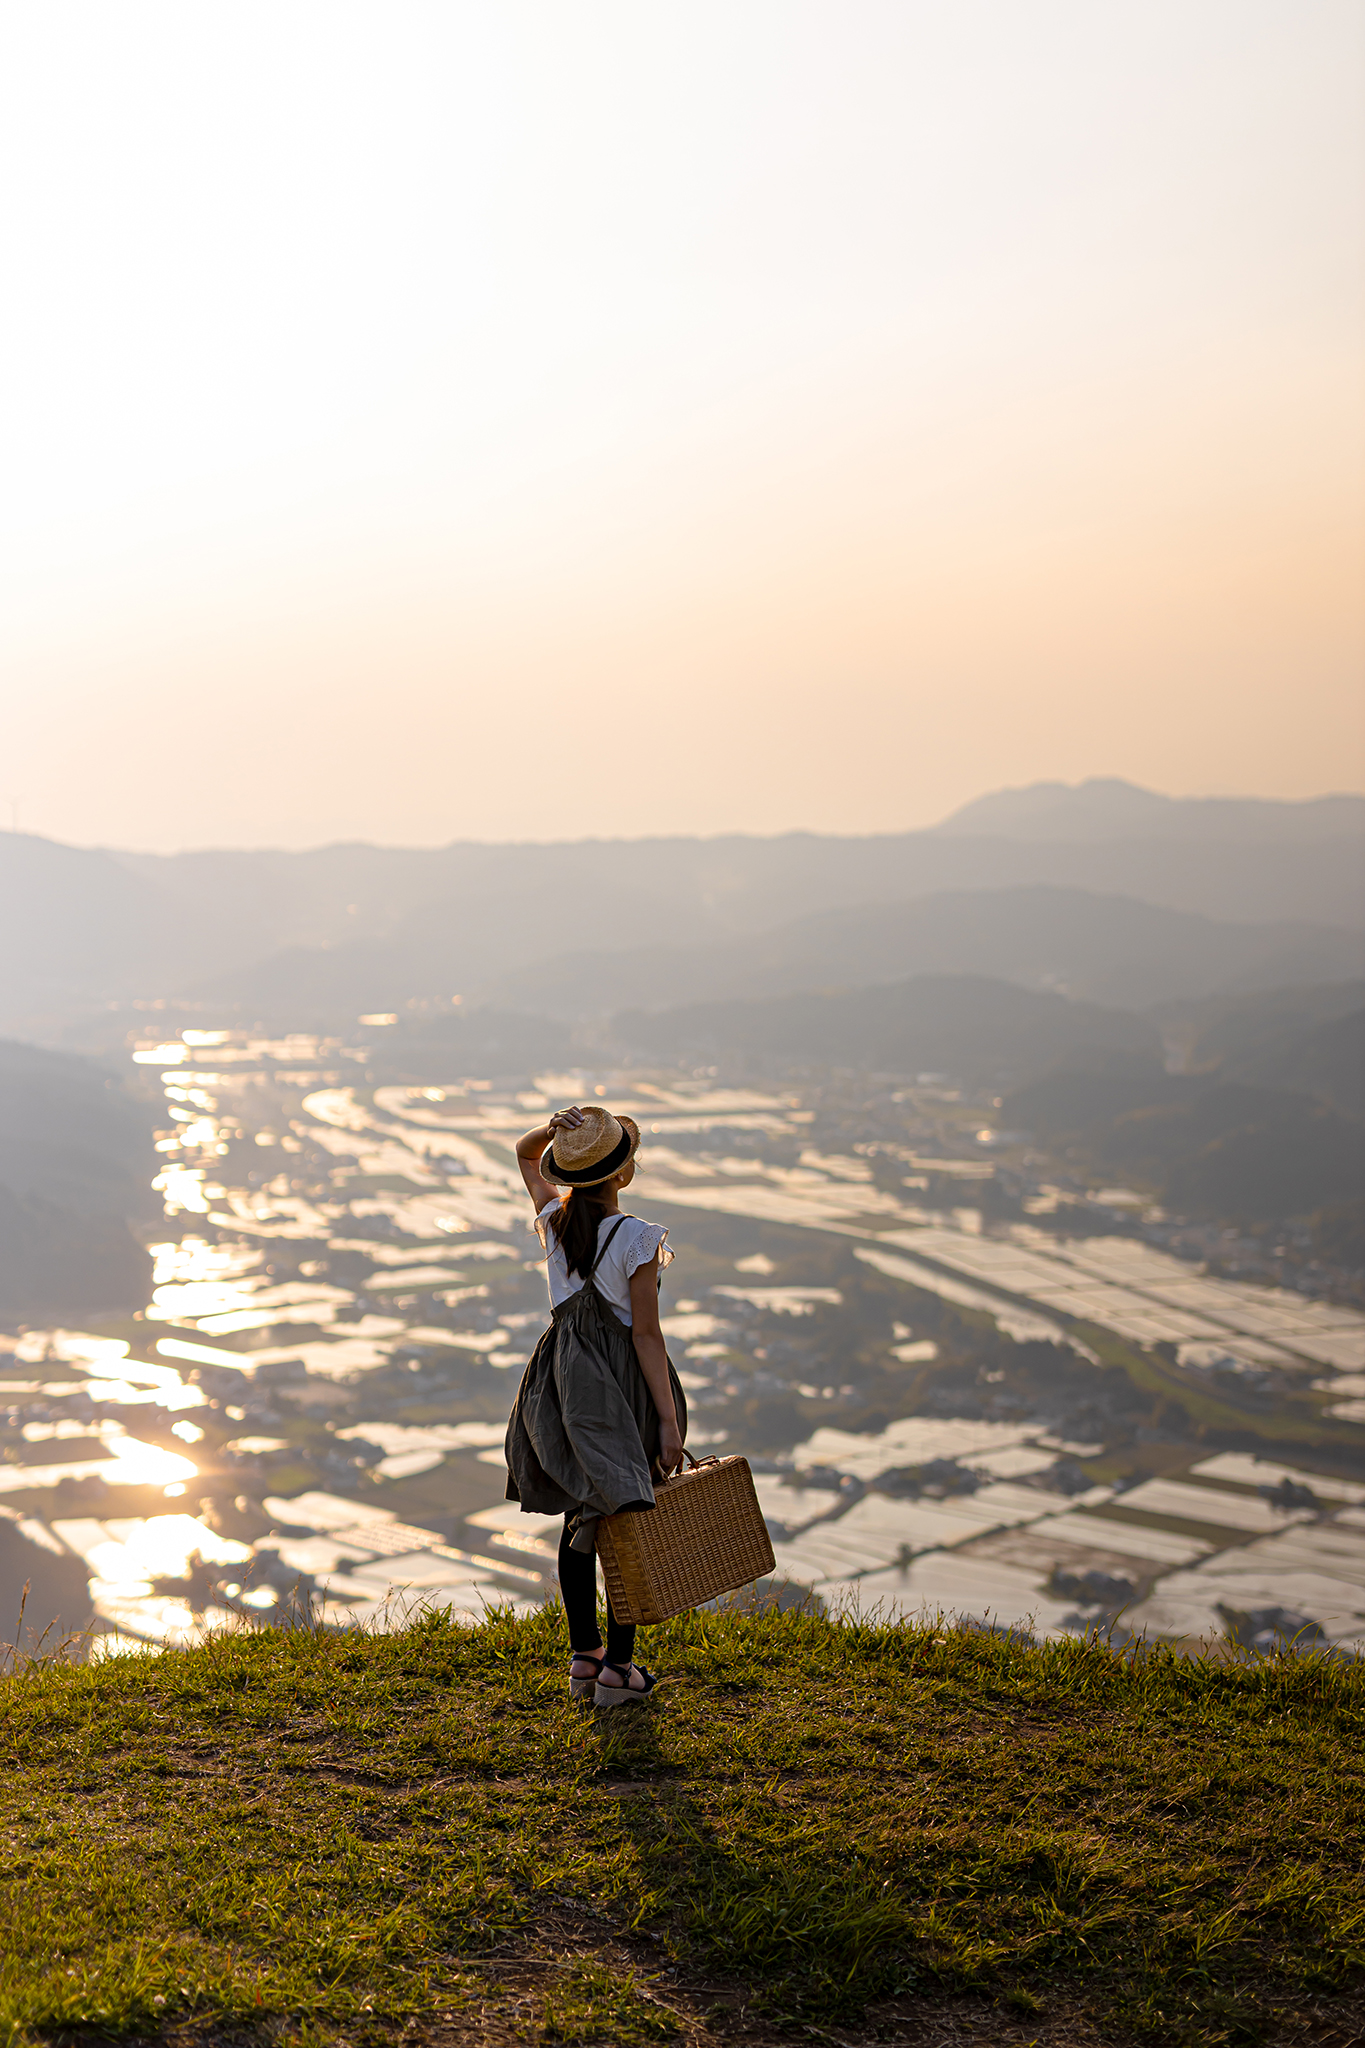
(317, 1836)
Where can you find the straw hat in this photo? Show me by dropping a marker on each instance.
(590, 1154)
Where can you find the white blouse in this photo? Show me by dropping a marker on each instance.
(633, 1246)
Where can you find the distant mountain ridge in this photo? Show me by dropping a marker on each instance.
(80, 929)
(1105, 808)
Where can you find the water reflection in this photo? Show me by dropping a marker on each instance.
(131, 1560)
(370, 1222)
(125, 1461)
(196, 1259)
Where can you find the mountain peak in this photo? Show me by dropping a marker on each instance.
(1105, 808)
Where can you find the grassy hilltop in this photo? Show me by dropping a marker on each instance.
(833, 1832)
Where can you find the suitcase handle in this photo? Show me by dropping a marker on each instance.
(696, 1463)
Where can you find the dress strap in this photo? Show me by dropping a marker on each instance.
(602, 1251)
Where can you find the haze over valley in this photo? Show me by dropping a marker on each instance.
(1015, 1171)
(1214, 893)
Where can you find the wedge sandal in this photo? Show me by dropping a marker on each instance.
(625, 1695)
(582, 1688)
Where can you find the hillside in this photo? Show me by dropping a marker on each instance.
(977, 1030)
(1104, 949)
(51, 1585)
(1208, 1147)
(888, 1831)
(76, 1166)
(1309, 1039)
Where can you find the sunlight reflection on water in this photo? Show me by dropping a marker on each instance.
(430, 1171)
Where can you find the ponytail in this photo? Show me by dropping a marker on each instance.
(575, 1225)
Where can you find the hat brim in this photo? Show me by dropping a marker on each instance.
(596, 1175)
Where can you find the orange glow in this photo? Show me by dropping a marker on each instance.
(829, 414)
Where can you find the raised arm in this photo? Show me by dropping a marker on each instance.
(531, 1149)
(653, 1357)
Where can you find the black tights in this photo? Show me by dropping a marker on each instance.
(578, 1584)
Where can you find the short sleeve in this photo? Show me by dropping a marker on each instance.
(645, 1240)
(541, 1226)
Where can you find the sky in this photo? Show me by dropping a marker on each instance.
(448, 421)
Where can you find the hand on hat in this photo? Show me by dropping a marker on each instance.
(564, 1119)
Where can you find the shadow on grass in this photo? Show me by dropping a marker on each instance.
(819, 1941)
(981, 1870)
(313, 1825)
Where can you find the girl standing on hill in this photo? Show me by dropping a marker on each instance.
(599, 1414)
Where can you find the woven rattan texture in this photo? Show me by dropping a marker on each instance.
(706, 1536)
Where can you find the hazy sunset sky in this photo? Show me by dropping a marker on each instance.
(428, 421)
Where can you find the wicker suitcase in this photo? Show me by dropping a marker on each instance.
(706, 1536)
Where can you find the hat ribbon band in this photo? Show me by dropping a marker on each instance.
(601, 1169)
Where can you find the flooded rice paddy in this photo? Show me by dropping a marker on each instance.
(308, 1416)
